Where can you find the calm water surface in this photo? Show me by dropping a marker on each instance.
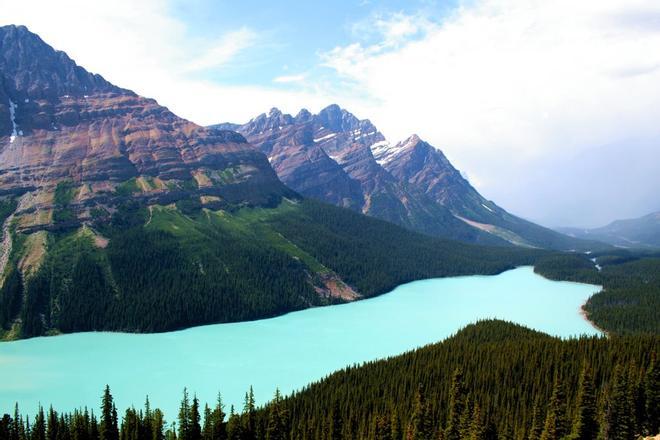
(286, 352)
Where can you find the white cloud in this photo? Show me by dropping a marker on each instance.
(224, 50)
(143, 46)
(505, 85)
(290, 78)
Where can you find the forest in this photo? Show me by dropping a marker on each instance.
(630, 299)
(492, 380)
(160, 268)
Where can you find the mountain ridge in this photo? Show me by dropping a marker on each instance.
(119, 215)
(636, 232)
(410, 183)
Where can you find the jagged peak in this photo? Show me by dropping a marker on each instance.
(32, 68)
(303, 116)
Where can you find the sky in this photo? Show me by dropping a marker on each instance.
(550, 108)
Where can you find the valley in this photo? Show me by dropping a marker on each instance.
(288, 352)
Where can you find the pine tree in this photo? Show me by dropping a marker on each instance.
(477, 425)
(556, 425)
(652, 397)
(336, 423)
(619, 419)
(39, 429)
(585, 424)
(395, 424)
(157, 425)
(51, 431)
(108, 429)
(195, 430)
(538, 420)
(456, 406)
(420, 427)
(382, 428)
(277, 419)
(233, 425)
(184, 417)
(249, 417)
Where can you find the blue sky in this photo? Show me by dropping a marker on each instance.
(293, 33)
(549, 107)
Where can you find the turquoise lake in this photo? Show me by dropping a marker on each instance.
(288, 352)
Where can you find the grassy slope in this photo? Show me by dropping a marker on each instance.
(164, 269)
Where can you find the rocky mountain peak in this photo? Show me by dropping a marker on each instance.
(60, 124)
(32, 69)
(303, 116)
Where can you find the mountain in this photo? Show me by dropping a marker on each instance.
(328, 157)
(335, 157)
(639, 232)
(119, 215)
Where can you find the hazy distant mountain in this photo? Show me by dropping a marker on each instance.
(631, 233)
(335, 157)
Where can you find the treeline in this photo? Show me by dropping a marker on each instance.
(493, 380)
(630, 299)
(375, 256)
(168, 270)
(149, 280)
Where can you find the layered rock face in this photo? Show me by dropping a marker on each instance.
(336, 157)
(59, 122)
(330, 156)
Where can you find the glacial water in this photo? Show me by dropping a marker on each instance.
(288, 352)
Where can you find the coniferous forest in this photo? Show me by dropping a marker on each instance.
(492, 380)
(166, 268)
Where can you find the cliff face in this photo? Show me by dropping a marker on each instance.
(328, 156)
(59, 122)
(337, 158)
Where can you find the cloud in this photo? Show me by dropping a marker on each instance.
(503, 86)
(290, 78)
(145, 47)
(224, 50)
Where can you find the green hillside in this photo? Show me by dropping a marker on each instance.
(150, 268)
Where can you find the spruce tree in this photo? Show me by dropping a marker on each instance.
(157, 425)
(477, 425)
(51, 431)
(233, 425)
(108, 429)
(382, 428)
(619, 418)
(249, 417)
(538, 420)
(420, 426)
(195, 430)
(585, 424)
(184, 417)
(556, 425)
(277, 419)
(39, 429)
(456, 406)
(652, 397)
(336, 423)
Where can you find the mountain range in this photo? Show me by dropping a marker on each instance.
(337, 158)
(639, 232)
(119, 215)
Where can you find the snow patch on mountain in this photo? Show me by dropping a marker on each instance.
(12, 116)
(487, 207)
(325, 138)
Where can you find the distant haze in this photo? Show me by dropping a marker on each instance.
(588, 189)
